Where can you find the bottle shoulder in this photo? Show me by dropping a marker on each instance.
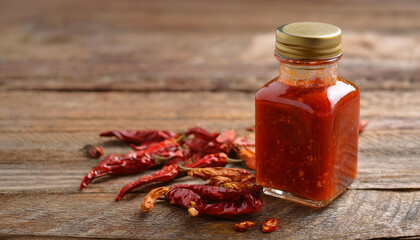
(354, 87)
(314, 99)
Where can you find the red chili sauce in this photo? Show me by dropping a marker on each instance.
(307, 138)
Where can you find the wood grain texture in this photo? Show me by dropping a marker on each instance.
(151, 47)
(101, 111)
(354, 215)
(246, 70)
(190, 15)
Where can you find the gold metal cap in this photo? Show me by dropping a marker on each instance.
(308, 40)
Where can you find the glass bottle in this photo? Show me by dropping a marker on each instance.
(307, 119)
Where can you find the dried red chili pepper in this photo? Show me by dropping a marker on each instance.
(151, 197)
(251, 129)
(238, 185)
(211, 193)
(165, 146)
(216, 201)
(248, 157)
(166, 174)
(174, 157)
(212, 160)
(115, 164)
(242, 141)
(202, 133)
(133, 162)
(243, 226)
(222, 202)
(226, 139)
(94, 151)
(237, 179)
(220, 181)
(231, 184)
(235, 174)
(362, 125)
(170, 172)
(140, 137)
(201, 145)
(269, 225)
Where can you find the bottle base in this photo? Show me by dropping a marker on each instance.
(298, 199)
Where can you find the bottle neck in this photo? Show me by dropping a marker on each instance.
(308, 73)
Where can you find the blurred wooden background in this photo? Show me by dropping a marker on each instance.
(71, 69)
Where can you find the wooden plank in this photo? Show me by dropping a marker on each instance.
(140, 76)
(121, 105)
(356, 214)
(188, 15)
(26, 106)
(95, 125)
(132, 53)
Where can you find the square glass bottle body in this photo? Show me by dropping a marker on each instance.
(307, 140)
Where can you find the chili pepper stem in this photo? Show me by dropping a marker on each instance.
(159, 159)
(180, 138)
(234, 160)
(184, 169)
(86, 147)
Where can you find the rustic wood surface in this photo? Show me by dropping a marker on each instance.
(71, 69)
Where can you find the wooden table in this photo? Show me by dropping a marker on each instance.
(72, 69)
